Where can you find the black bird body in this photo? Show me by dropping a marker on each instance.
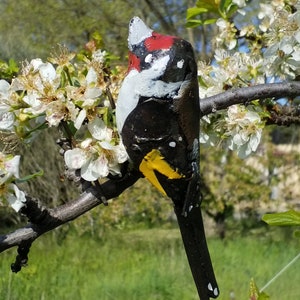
(158, 117)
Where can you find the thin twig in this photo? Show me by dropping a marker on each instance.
(280, 272)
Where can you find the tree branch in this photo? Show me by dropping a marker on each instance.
(43, 219)
(247, 94)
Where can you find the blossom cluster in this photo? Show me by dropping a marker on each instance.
(240, 130)
(274, 36)
(269, 51)
(229, 70)
(282, 31)
(239, 127)
(76, 95)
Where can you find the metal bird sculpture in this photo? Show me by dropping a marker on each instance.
(157, 116)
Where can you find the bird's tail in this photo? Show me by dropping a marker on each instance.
(193, 236)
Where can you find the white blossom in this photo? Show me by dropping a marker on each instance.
(75, 158)
(95, 168)
(7, 118)
(15, 197)
(99, 130)
(239, 3)
(226, 34)
(9, 167)
(96, 159)
(91, 76)
(80, 119)
(4, 89)
(99, 56)
(244, 129)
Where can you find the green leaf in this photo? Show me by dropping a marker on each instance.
(225, 5)
(69, 129)
(193, 23)
(203, 6)
(232, 10)
(263, 296)
(13, 67)
(227, 8)
(97, 37)
(288, 218)
(211, 6)
(255, 294)
(109, 56)
(210, 21)
(194, 11)
(8, 70)
(253, 290)
(29, 177)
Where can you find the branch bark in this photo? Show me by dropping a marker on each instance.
(247, 94)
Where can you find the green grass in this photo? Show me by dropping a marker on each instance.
(145, 265)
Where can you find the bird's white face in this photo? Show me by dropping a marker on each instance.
(143, 84)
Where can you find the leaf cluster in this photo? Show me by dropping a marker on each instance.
(8, 69)
(207, 12)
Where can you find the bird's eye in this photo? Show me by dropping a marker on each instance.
(149, 58)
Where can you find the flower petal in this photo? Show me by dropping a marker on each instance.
(75, 158)
(4, 88)
(7, 118)
(16, 197)
(12, 166)
(95, 169)
(47, 72)
(99, 130)
(80, 118)
(91, 76)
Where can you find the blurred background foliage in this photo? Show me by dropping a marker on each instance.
(232, 188)
(31, 28)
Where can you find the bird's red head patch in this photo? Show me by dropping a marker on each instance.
(159, 42)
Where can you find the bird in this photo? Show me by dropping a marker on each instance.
(157, 117)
